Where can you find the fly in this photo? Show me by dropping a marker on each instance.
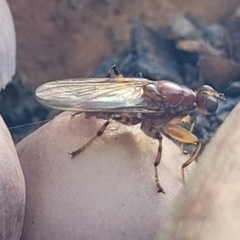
(159, 106)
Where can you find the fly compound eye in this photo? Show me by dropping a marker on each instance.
(211, 104)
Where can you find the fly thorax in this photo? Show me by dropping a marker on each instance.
(150, 92)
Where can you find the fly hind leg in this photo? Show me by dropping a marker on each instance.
(75, 114)
(114, 72)
(154, 133)
(98, 134)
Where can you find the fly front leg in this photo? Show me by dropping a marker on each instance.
(190, 125)
(154, 133)
(182, 135)
(98, 134)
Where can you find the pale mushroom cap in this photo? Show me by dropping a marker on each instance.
(7, 45)
(107, 192)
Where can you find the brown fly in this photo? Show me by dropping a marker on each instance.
(158, 105)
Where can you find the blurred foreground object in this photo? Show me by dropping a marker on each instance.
(12, 184)
(107, 192)
(208, 207)
(12, 188)
(7, 45)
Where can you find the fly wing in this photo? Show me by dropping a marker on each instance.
(95, 95)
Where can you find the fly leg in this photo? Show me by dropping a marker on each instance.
(114, 72)
(182, 135)
(156, 163)
(190, 125)
(154, 133)
(74, 114)
(98, 134)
